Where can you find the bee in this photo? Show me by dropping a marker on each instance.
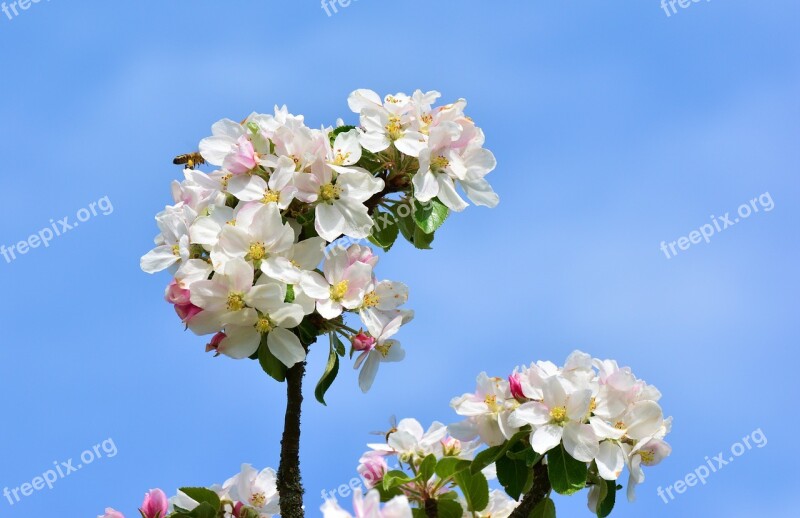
(190, 160)
(393, 429)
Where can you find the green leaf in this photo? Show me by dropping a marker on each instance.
(427, 467)
(289, 294)
(204, 510)
(545, 509)
(384, 231)
(567, 475)
(448, 466)
(202, 495)
(271, 365)
(608, 499)
(338, 345)
(450, 509)
(475, 489)
(394, 479)
(408, 227)
(430, 216)
(486, 457)
(514, 474)
(331, 371)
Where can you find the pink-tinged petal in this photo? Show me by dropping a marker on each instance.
(155, 505)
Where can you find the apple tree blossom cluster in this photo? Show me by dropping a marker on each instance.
(269, 250)
(544, 428)
(249, 494)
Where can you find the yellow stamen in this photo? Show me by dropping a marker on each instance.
(439, 163)
(271, 196)
(371, 299)
(264, 326)
(559, 415)
(235, 301)
(256, 252)
(329, 192)
(339, 290)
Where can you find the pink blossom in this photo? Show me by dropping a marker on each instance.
(242, 159)
(111, 513)
(361, 254)
(516, 387)
(155, 504)
(213, 345)
(181, 298)
(372, 468)
(363, 342)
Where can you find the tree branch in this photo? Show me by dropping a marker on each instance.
(290, 484)
(431, 508)
(541, 488)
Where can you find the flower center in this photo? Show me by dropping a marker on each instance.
(371, 299)
(559, 415)
(176, 250)
(394, 128)
(593, 405)
(340, 157)
(224, 180)
(271, 196)
(648, 457)
(491, 402)
(235, 301)
(257, 251)
(619, 425)
(440, 163)
(264, 326)
(339, 290)
(258, 500)
(384, 349)
(329, 192)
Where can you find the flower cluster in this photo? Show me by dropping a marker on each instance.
(249, 244)
(249, 494)
(598, 412)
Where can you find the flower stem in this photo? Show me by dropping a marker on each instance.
(538, 492)
(290, 484)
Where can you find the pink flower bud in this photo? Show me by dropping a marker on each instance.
(187, 311)
(155, 504)
(243, 159)
(361, 254)
(213, 345)
(516, 387)
(177, 295)
(363, 342)
(111, 513)
(451, 446)
(372, 468)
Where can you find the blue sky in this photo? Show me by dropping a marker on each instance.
(615, 126)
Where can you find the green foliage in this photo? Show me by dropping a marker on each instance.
(545, 509)
(430, 216)
(271, 365)
(608, 497)
(385, 230)
(331, 371)
(408, 227)
(449, 466)
(514, 474)
(567, 475)
(475, 489)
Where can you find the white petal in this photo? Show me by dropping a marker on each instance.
(367, 375)
(546, 438)
(285, 346)
(580, 442)
(240, 343)
(158, 259)
(610, 460)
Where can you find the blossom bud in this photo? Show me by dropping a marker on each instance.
(516, 387)
(187, 311)
(363, 342)
(213, 345)
(176, 295)
(111, 513)
(155, 504)
(361, 254)
(243, 159)
(372, 468)
(452, 446)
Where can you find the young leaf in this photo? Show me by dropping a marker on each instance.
(607, 503)
(201, 495)
(475, 489)
(338, 345)
(270, 363)
(545, 509)
(427, 467)
(486, 457)
(385, 230)
(513, 475)
(448, 466)
(430, 216)
(394, 479)
(567, 475)
(331, 371)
